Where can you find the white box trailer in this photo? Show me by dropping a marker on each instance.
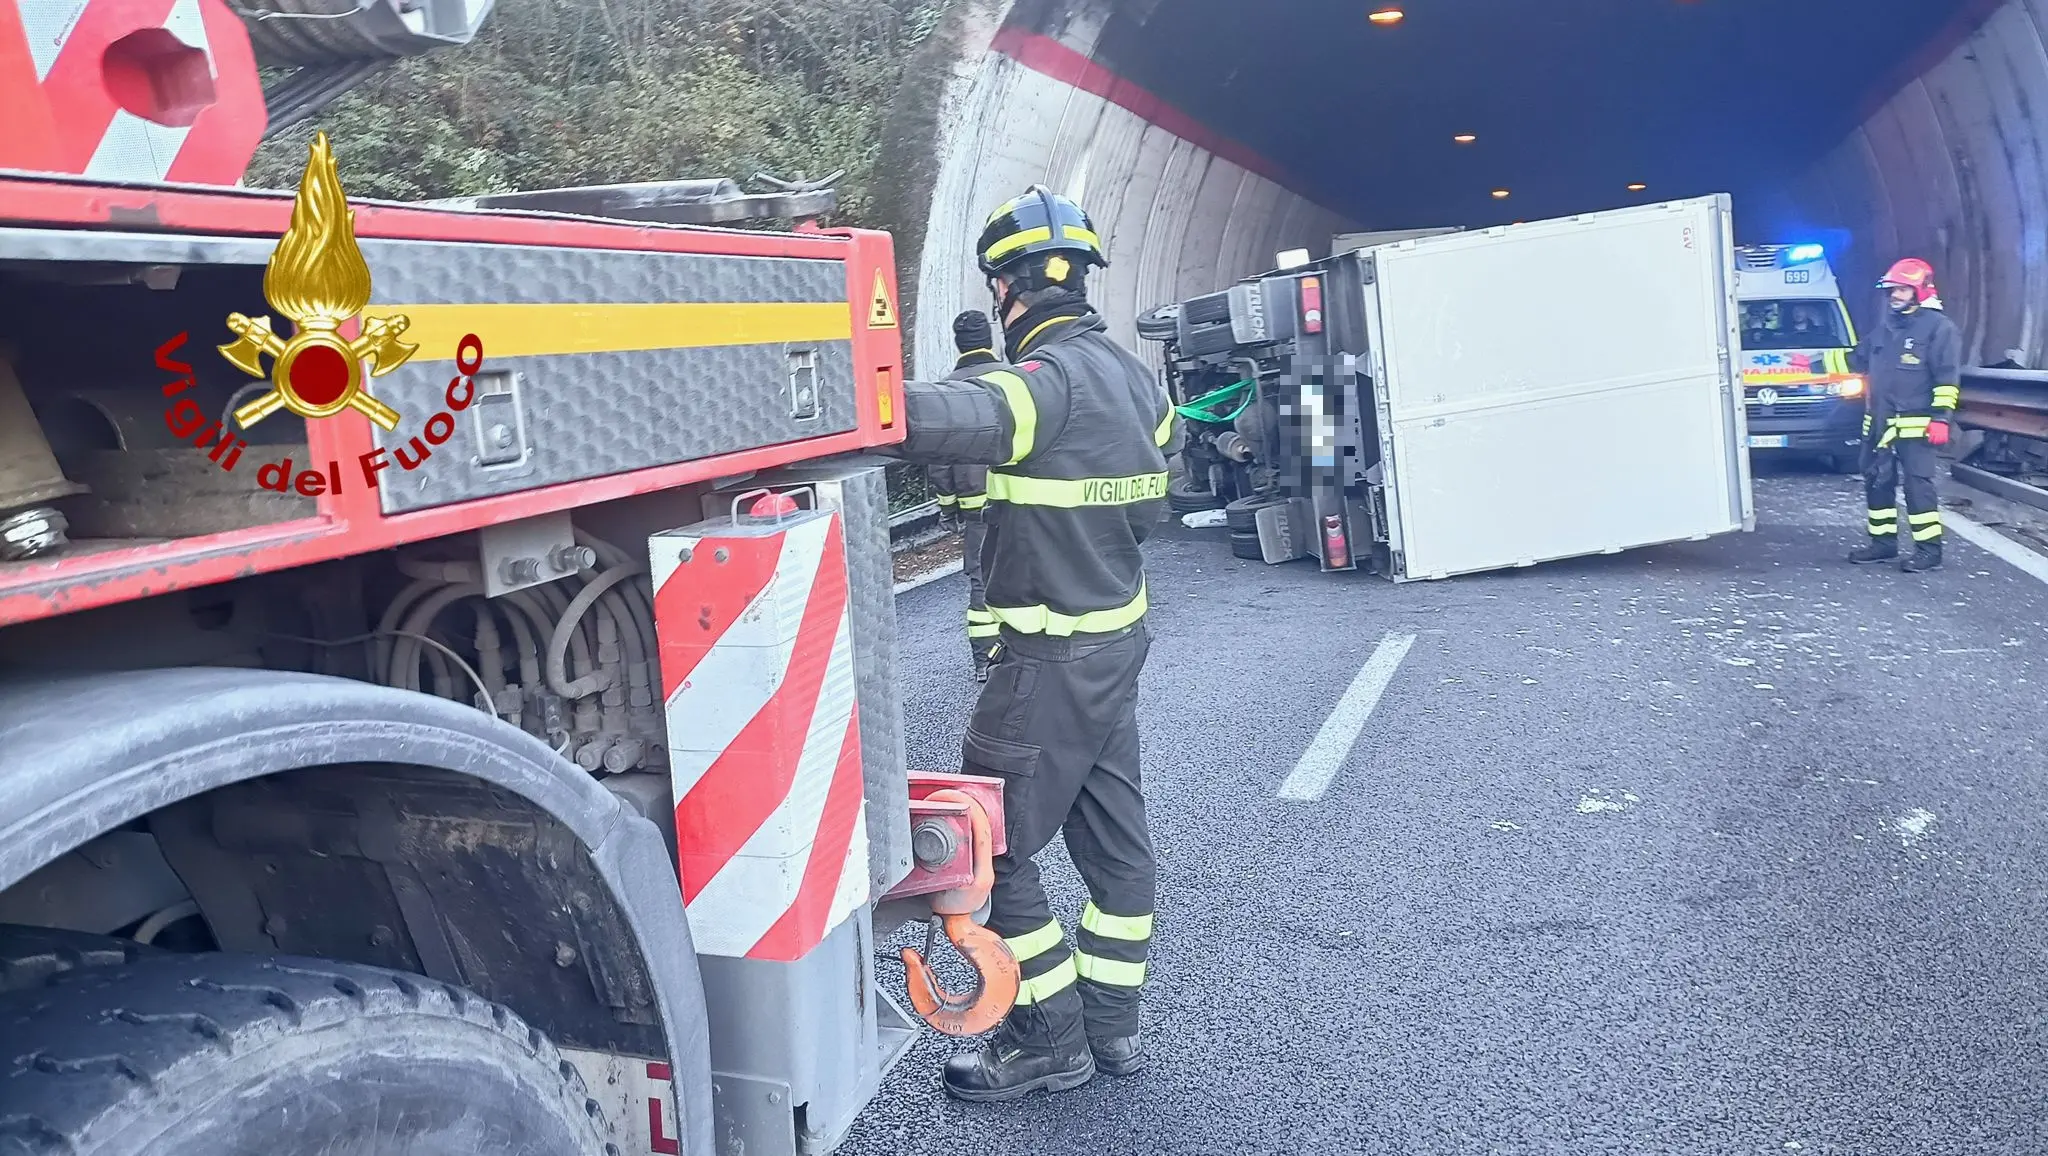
(1486, 399)
(1344, 243)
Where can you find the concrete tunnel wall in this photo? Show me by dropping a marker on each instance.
(1951, 165)
(1948, 163)
(1007, 98)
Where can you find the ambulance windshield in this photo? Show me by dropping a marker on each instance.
(1792, 325)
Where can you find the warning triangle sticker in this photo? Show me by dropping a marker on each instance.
(881, 313)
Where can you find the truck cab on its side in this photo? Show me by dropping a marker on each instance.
(1796, 336)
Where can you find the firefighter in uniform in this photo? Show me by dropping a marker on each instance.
(963, 492)
(1074, 430)
(1913, 363)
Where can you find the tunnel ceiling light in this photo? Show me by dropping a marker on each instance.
(1387, 16)
(1465, 138)
(1500, 194)
(1637, 187)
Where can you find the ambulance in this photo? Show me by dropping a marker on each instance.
(1796, 335)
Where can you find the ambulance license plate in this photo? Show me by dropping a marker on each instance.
(1769, 441)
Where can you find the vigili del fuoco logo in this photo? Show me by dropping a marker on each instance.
(317, 279)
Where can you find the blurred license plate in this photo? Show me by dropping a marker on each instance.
(1769, 441)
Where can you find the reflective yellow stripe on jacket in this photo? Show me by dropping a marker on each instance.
(1074, 493)
(1046, 620)
(1023, 412)
(1903, 427)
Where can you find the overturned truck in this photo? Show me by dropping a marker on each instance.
(1470, 401)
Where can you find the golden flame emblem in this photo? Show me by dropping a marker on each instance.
(317, 278)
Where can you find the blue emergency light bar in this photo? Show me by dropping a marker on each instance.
(1800, 254)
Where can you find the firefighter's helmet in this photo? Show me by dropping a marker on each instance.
(1915, 274)
(1038, 224)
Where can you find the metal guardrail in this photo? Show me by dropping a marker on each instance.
(2012, 402)
(913, 527)
(712, 201)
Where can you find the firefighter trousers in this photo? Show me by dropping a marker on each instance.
(981, 625)
(1891, 448)
(1057, 722)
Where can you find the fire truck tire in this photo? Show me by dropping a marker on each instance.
(32, 957)
(1246, 545)
(1183, 498)
(241, 1055)
(101, 750)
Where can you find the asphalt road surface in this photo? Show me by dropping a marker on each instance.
(1726, 847)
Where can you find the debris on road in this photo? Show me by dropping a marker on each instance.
(1596, 801)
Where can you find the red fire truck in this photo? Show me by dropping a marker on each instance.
(447, 652)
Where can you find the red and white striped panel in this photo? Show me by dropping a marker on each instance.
(764, 740)
(129, 90)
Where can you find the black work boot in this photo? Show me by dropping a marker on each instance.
(1925, 556)
(1122, 1056)
(1875, 550)
(1020, 1058)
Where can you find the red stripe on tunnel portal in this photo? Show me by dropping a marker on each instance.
(1050, 58)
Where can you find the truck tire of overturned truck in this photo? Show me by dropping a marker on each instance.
(1182, 497)
(113, 1048)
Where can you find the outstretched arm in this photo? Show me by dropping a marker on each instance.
(1000, 416)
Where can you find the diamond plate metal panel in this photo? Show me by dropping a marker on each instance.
(456, 273)
(572, 417)
(855, 486)
(593, 414)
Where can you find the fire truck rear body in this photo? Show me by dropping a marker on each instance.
(528, 695)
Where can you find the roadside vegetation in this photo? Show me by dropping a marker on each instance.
(576, 92)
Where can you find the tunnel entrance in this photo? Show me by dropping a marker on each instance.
(1207, 136)
(1567, 104)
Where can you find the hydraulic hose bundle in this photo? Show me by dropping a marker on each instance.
(569, 661)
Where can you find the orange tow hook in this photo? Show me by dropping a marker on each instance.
(995, 968)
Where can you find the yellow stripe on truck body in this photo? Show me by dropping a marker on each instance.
(532, 330)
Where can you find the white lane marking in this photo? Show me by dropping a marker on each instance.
(1326, 752)
(1991, 541)
(946, 571)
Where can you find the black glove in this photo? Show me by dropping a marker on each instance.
(971, 331)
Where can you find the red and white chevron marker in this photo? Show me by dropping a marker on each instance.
(764, 741)
(129, 90)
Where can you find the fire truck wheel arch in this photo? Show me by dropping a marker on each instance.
(85, 755)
